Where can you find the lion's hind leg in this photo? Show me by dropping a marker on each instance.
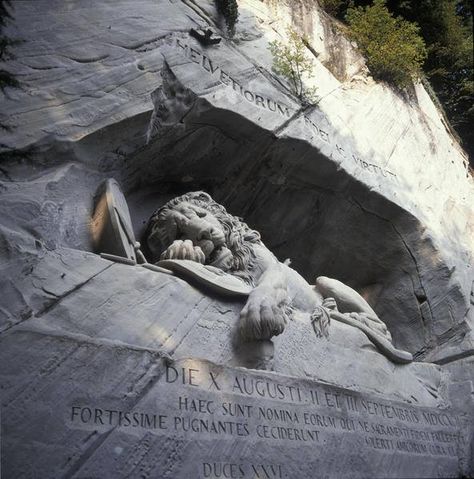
(350, 301)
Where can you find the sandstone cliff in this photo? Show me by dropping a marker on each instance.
(371, 187)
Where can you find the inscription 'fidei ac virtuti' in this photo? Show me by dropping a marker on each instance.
(261, 101)
(226, 79)
(339, 150)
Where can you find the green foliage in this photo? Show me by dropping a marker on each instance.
(446, 26)
(291, 62)
(230, 10)
(394, 50)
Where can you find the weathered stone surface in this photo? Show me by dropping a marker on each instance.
(367, 187)
(128, 413)
(342, 165)
(135, 306)
(101, 345)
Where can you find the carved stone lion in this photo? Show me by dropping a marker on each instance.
(194, 227)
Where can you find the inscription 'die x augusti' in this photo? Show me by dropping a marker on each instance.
(224, 405)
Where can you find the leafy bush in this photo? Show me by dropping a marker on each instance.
(394, 50)
(291, 62)
(230, 11)
(446, 26)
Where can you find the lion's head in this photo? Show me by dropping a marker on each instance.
(222, 240)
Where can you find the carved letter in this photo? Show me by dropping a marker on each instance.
(195, 55)
(184, 47)
(168, 369)
(270, 107)
(224, 78)
(284, 110)
(259, 101)
(249, 96)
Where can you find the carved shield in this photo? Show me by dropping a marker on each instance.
(111, 225)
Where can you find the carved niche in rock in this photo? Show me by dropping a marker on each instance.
(196, 238)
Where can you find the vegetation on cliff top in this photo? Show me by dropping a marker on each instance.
(446, 28)
(394, 50)
(290, 61)
(230, 11)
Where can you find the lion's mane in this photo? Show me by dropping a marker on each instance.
(240, 239)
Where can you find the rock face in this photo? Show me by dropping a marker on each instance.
(368, 186)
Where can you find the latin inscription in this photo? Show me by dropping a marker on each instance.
(340, 152)
(225, 78)
(261, 101)
(197, 399)
(229, 470)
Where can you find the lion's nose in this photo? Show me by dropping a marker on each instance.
(217, 237)
(212, 234)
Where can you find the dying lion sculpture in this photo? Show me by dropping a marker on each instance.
(195, 230)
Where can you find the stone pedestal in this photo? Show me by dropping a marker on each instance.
(135, 373)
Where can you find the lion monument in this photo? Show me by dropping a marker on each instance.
(192, 235)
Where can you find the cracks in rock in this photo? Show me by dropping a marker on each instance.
(432, 390)
(418, 272)
(200, 12)
(91, 449)
(311, 187)
(6, 175)
(320, 99)
(426, 321)
(86, 60)
(155, 377)
(98, 342)
(137, 380)
(293, 117)
(49, 106)
(49, 307)
(249, 172)
(455, 357)
(36, 68)
(141, 44)
(173, 349)
(426, 326)
(395, 144)
(177, 141)
(154, 369)
(49, 293)
(57, 299)
(38, 382)
(456, 333)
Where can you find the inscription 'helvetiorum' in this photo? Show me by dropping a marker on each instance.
(225, 78)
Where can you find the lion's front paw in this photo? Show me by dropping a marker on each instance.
(262, 318)
(180, 249)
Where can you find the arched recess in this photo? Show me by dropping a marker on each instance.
(309, 210)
